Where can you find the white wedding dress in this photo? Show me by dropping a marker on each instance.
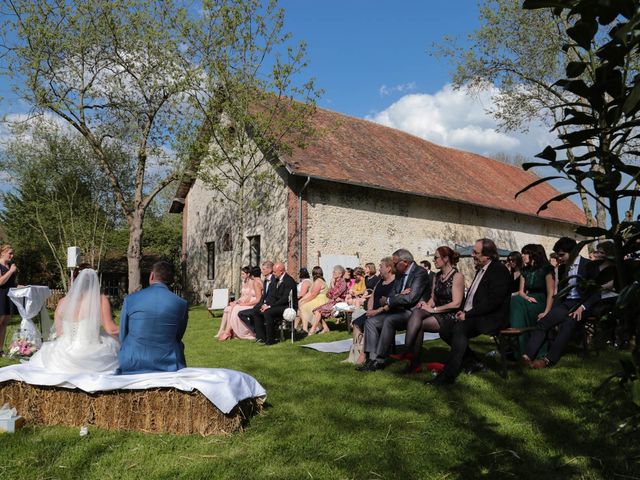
(82, 347)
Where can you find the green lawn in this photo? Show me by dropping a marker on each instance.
(324, 420)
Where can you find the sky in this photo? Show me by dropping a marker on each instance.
(372, 58)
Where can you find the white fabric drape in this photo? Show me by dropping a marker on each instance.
(30, 302)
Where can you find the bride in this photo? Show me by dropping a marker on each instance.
(80, 346)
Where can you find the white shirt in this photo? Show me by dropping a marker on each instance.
(573, 282)
(468, 304)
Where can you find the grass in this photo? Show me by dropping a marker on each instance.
(325, 421)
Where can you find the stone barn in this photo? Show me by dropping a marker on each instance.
(359, 192)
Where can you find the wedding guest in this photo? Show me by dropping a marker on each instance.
(349, 277)
(553, 261)
(356, 294)
(373, 306)
(304, 282)
(250, 292)
(268, 292)
(615, 328)
(336, 293)
(428, 316)
(411, 286)
(370, 277)
(8, 279)
(315, 297)
(567, 310)
(514, 264)
(426, 264)
(535, 295)
(485, 310)
(270, 313)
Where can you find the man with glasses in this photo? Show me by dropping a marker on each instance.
(485, 311)
(567, 310)
(411, 285)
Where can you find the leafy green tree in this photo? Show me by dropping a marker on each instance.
(146, 76)
(58, 200)
(603, 112)
(522, 53)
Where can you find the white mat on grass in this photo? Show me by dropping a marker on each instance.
(224, 388)
(342, 346)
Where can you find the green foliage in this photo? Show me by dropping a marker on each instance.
(57, 201)
(326, 421)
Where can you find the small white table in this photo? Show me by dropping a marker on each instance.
(31, 301)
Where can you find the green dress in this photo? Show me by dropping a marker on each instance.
(524, 313)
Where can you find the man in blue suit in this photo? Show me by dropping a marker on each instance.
(152, 323)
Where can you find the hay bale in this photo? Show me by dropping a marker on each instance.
(157, 410)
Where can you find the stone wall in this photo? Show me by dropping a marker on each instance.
(210, 216)
(351, 220)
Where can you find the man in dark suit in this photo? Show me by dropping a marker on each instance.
(486, 310)
(568, 309)
(268, 293)
(412, 284)
(270, 313)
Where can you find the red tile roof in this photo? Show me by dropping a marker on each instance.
(355, 151)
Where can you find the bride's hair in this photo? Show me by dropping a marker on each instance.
(79, 268)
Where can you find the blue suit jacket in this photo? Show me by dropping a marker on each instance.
(152, 323)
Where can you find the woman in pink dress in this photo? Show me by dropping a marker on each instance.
(231, 325)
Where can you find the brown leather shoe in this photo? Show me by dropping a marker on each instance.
(540, 363)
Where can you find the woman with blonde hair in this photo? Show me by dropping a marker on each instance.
(8, 279)
(315, 297)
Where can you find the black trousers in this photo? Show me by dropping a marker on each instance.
(248, 316)
(265, 323)
(457, 334)
(559, 315)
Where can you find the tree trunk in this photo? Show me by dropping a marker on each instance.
(239, 241)
(134, 250)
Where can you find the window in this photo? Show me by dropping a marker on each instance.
(227, 244)
(211, 260)
(254, 250)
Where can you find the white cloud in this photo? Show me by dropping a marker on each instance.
(384, 90)
(455, 118)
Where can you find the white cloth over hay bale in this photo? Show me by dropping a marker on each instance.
(208, 401)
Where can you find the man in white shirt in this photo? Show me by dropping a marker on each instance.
(566, 311)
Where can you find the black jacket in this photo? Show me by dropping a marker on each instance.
(420, 284)
(268, 294)
(588, 289)
(492, 299)
(284, 286)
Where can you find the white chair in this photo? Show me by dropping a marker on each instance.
(219, 299)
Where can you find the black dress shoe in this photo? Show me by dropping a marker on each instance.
(439, 381)
(370, 366)
(475, 367)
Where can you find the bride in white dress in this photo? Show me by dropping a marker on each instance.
(80, 345)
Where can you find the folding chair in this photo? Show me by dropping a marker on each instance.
(219, 300)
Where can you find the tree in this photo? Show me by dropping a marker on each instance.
(144, 75)
(603, 112)
(58, 200)
(521, 52)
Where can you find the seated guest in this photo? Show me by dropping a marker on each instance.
(426, 264)
(485, 311)
(356, 294)
(446, 297)
(370, 277)
(553, 261)
(614, 326)
(304, 282)
(381, 289)
(349, 277)
(152, 323)
(336, 293)
(315, 297)
(567, 310)
(231, 325)
(268, 292)
(514, 264)
(411, 286)
(285, 294)
(535, 295)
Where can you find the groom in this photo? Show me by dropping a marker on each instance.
(152, 323)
